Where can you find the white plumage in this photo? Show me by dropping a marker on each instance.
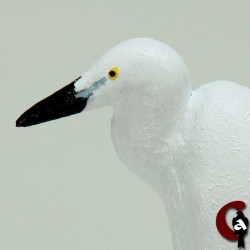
(192, 147)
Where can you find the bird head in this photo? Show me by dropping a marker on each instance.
(125, 71)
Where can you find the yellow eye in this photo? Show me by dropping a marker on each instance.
(113, 73)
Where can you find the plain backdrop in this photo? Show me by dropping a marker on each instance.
(61, 184)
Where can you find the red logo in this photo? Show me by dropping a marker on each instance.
(239, 223)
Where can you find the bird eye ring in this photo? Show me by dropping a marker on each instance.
(113, 73)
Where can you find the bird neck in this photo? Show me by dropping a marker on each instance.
(147, 133)
(144, 124)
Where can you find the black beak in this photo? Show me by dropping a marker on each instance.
(62, 103)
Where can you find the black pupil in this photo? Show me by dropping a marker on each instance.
(112, 73)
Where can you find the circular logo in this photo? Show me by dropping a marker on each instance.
(239, 223)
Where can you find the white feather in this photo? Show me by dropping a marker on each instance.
(192, 147)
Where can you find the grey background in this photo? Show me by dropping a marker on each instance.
(61, 184)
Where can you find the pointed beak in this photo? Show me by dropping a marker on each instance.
(64, 102)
